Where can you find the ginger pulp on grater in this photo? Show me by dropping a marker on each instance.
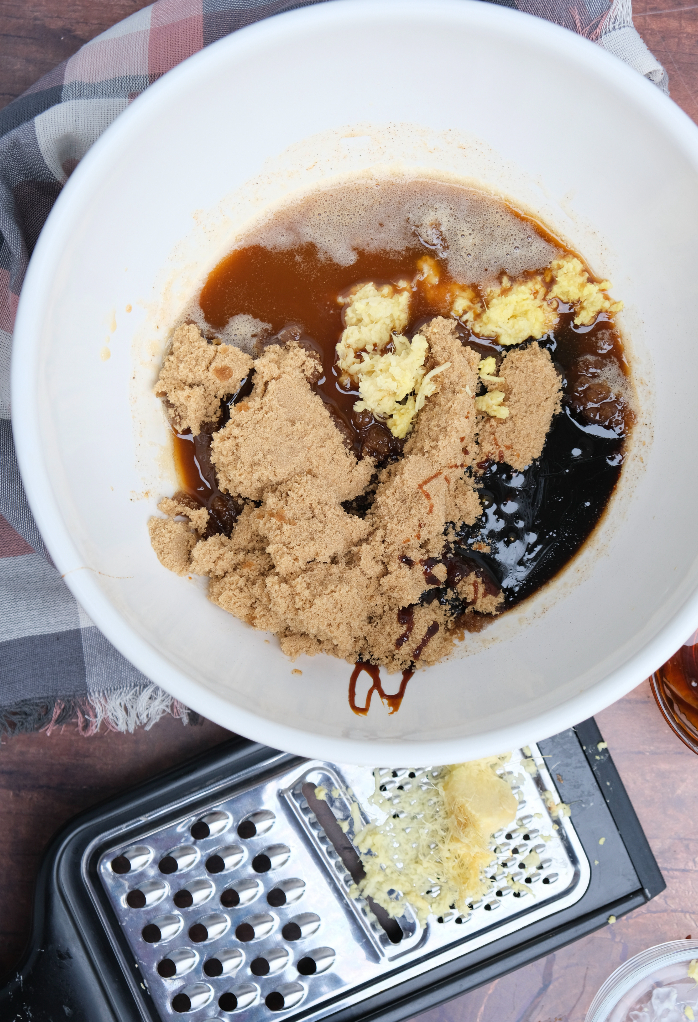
(350, 547)
(434, 843)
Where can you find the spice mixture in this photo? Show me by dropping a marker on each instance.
(350, 401)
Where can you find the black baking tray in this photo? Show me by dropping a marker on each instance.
(70, 971)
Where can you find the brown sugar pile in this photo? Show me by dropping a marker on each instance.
(196, 375)
(297, 562)
(531, 389)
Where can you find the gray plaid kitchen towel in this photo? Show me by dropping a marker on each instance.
(55, 665)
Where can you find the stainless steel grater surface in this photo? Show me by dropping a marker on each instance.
(244, 907)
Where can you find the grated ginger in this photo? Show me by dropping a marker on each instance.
(491, 402)
(516, 312)
(393, 384)
(572, 286)
(486, 370)
(693, 970)
(434, 842)
(372, 315)
(527, 308)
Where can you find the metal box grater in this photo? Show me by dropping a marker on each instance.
(215, 892)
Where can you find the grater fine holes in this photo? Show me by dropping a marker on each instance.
(121, 864)
(136, 899)
(550, 879)
(167, 968)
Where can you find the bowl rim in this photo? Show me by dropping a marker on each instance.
(25, 362)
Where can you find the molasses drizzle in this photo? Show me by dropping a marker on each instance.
(373, 672)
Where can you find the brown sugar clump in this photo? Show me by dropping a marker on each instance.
(173, 543)
(182, 504)
(196, 375)
(304, 522)
(532, 389)
(283, 429)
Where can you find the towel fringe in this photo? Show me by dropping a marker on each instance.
(123, 710)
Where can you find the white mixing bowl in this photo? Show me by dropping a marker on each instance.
(485, 93)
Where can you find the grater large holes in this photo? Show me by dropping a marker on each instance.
(148, 894)
(224, 963)
(304, 925)
(256, 824)
(210, 825)
(239, 998)
(272, 857)
(192, 998)
(317, 961)
(225, 859)
(273, 960)
(286, 893)
(210, 927)
(241, 894)
(287, 996)
(178, 860)
(162, 929)
(131, 860)
(194, 894)
(255, 928)
(177, 963)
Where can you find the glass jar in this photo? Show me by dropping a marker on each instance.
(675, 688)
(654, 986)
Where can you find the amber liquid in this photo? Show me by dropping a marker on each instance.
(680, 677)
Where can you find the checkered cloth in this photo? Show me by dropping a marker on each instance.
(55, 665)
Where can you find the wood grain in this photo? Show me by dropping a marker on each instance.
(45, 780)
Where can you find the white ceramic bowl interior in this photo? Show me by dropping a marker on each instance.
(439, 86)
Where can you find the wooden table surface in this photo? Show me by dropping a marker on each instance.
(44, 780)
